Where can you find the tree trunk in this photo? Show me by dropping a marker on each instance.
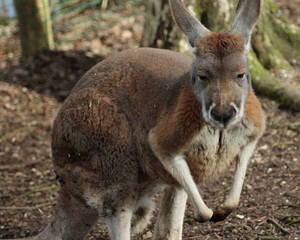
(35, 25)
(267, 85)
(3, 9)
(275, 41)
(159, 27)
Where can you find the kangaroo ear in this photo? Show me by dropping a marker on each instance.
(190, 26)
(247, 13)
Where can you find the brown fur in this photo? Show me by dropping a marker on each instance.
(88, 123)
(95, 117)
(100, 138)
(148, 117)
(220, 44)
(254, 115)
(185, 120)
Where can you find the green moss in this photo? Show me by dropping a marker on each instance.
(215, 15)
(284, 35)
(269, 56)
(267, 85)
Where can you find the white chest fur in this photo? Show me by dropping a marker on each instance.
(213, 150)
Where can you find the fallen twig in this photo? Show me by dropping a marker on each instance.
(27, 208)
(189, 220)
(17, 166)
(274, 222)
(283, 125)
(40, 189)
(292, 205)
(19, 184)
(194, 237)
(269, 238)
(293, 222)
(280, 215)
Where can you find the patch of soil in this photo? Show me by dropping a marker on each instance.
(53, 73)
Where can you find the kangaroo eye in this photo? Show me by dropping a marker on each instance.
(241, 75)
(203, 77)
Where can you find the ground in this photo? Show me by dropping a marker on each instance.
(31, 92)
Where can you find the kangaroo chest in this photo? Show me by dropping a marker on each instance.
(213, 150)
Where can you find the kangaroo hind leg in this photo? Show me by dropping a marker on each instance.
(119, 222)
(73, 219)
(143, 209)
(170, 220)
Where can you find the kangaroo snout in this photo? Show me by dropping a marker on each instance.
(223, 116)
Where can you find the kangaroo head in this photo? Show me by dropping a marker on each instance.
(220, 77)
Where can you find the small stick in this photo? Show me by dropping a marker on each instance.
(40, 189)
(27, 208)
(269, 238)
(283, 125)
(194, 237)
(273, 221)
(293, 222)
(189, 220)
(17, 166)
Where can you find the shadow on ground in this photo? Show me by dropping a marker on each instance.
(53, 73)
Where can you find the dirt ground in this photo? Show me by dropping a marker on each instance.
(31, 93)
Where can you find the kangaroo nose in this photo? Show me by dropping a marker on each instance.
(224, 116)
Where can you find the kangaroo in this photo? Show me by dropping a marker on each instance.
(146, 119)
